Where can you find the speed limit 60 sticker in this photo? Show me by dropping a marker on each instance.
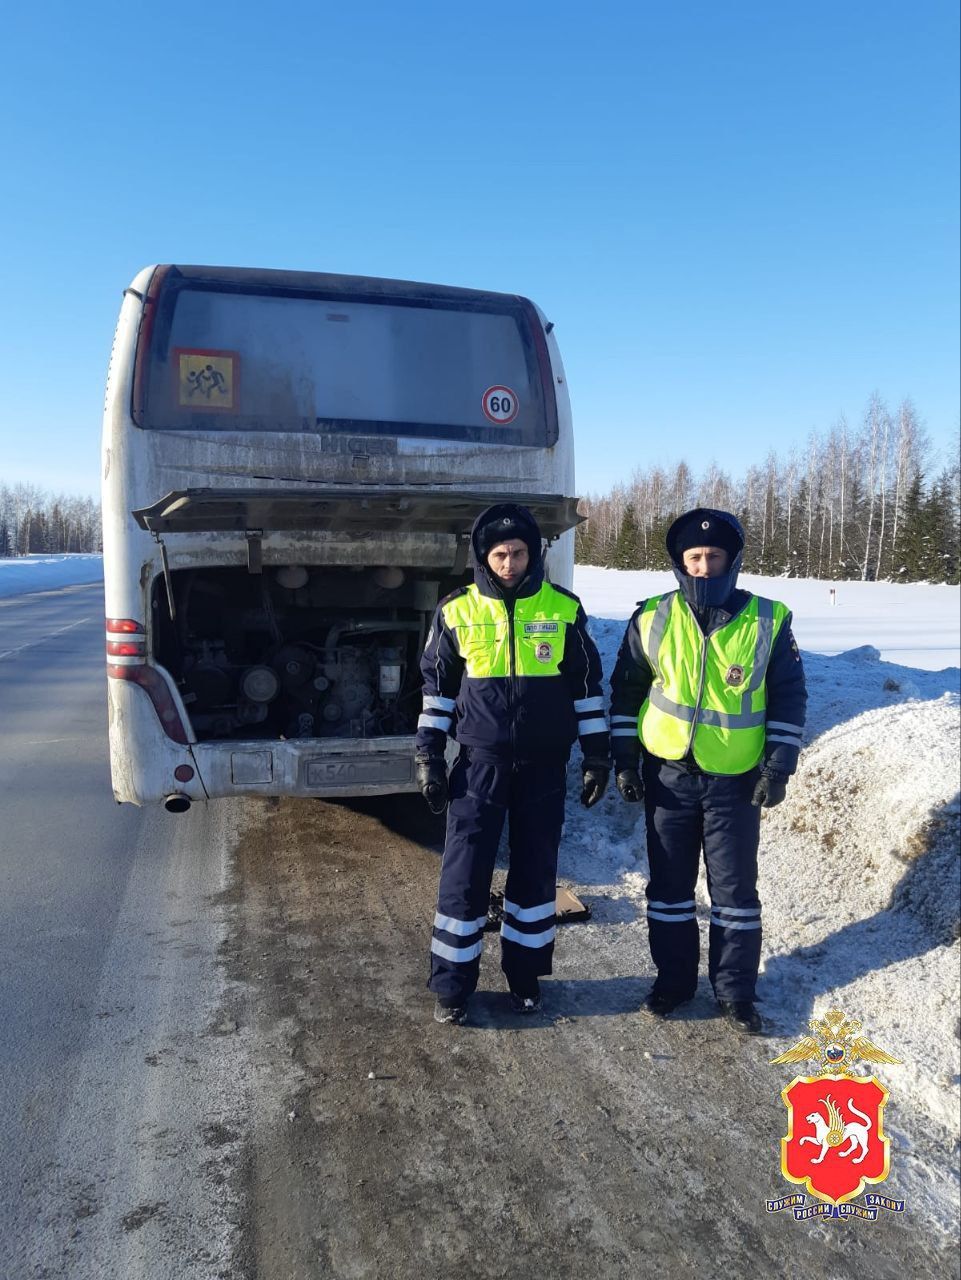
(500, 405)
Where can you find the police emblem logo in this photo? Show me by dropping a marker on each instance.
(544, 651)
(834, 1145)
(835, 1141)
(735, 674)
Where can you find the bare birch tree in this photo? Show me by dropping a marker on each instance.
(873, 419)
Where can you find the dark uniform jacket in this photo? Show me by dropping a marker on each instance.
(513, 717)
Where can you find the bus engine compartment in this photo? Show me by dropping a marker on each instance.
(296, 651)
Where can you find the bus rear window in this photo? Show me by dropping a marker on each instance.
(239, 360)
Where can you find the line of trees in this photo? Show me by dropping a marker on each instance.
(853, 503)
(32, 520)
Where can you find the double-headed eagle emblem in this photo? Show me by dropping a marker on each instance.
(835, 1046)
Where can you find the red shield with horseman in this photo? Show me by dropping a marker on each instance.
(835, 1138)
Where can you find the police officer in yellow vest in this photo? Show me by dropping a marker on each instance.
(709, 689)
(510, 671)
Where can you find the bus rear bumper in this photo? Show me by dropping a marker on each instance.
(322, 767)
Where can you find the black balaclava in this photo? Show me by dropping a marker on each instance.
(499, 523)
(704, 527)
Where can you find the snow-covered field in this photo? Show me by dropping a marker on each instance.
(914, 624)
(46, 573)
(860, 865)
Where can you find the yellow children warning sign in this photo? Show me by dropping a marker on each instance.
(207, 379)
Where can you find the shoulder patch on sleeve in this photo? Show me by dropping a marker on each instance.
(458, 591)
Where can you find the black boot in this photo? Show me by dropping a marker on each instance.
(663, 1003)
(526, 997)
(451, 1012)
(742, 1015)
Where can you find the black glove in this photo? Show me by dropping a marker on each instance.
(769, 790)
(431, 773)
(596, 774)
(630, 786)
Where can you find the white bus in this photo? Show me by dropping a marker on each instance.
(291, 466)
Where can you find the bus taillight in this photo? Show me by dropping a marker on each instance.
(125, 638)
(126, 649)
(156, 689)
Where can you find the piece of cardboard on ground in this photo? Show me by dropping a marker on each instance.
(568, 907)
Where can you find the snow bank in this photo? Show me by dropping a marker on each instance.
(47, 573)
(859, 878)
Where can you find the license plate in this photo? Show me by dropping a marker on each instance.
(342, 771)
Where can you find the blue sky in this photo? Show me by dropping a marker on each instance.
(742, 218)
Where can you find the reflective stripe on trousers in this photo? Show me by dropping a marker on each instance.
(530, 797)
(687, 812)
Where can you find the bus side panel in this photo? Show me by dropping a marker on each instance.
(560, 557)
(559, 561)
(142, 757)
(125, 544)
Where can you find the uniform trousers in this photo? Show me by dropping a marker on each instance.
(486, 791)
(688, 811)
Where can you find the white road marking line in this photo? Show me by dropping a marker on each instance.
(7, 653)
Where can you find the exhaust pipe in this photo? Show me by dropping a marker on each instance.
(176, 803)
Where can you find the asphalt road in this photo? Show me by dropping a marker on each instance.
(217, 1060)
(116, 1064)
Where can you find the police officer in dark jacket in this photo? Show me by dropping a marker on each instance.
(509, 670)
(707, 711)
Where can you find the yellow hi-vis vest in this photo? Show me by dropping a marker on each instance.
(481, 627)
(709, 695)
